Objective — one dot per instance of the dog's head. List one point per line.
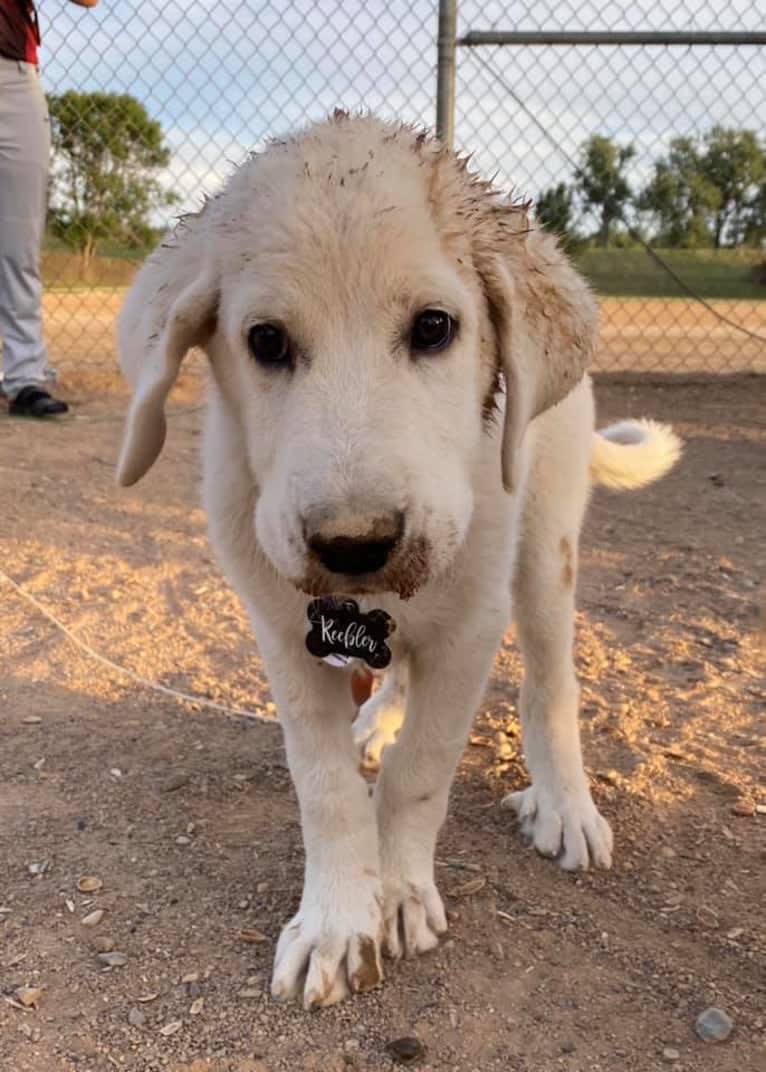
(362, 298)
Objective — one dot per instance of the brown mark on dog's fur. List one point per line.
(369, 974)
(567, 572)
(413, 572)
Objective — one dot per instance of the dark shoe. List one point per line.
(35, 402)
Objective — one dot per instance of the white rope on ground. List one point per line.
(154, 686)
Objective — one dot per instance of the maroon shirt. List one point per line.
(19, 30)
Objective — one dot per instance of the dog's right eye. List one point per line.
(269, 344)
(432, 330)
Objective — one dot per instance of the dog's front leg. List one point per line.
(447, 679)
(332, 945)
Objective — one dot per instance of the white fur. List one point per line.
(343, 234)
(631, 454)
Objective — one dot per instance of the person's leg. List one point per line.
(24, 156)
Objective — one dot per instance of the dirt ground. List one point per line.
(637, 334)
(188, 818)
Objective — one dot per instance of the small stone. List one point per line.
(89, 884)
(249, 993)
(175, 781)
(745, 808)
(182, 839)
(714, 1025)
(190, 977)
(707, 917)
(407, 1051)
(112, 960)
(31, 720)
(466, 889)
(29, 996)
(669, 1054)
(760, 809)
(171, 1028)
(196, 1006)
(504, 748)
(93, 918)
(82, 1046)
(136, 1017)
(146, 998)
(735, 932)
(252, 935)
(104, 944)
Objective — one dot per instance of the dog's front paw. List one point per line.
(413, 912)
(564, 824)
(328, 950)
(414, 918)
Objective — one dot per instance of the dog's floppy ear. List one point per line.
(545, 322)
(171, 307)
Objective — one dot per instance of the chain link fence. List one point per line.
(213, 80)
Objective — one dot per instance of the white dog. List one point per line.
(398, 413)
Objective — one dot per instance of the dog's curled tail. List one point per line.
(631, 454)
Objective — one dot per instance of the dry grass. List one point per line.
(637, 335)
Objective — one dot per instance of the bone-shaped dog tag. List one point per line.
(339, 632)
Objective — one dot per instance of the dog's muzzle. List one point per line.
(354, 546)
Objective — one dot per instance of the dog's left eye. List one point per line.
(269, 344)
(432, 330)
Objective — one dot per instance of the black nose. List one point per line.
(354, 555)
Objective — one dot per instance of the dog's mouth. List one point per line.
(403, 575)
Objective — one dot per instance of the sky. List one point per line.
(222, 75)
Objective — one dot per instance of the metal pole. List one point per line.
(445, 71)
(475, 38)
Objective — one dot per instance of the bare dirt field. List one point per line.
(188, 819)
(637, 334)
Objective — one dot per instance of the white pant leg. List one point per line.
(24, 160)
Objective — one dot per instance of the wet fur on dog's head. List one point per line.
(341, 236)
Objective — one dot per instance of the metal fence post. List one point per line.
(445, 71)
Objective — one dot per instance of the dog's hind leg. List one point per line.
(557, 812)
(380, 718)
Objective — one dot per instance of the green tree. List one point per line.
(734, 163)
(601, 180)
(681, 198)
(107, 153)
(553, 209)
(755, 222)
